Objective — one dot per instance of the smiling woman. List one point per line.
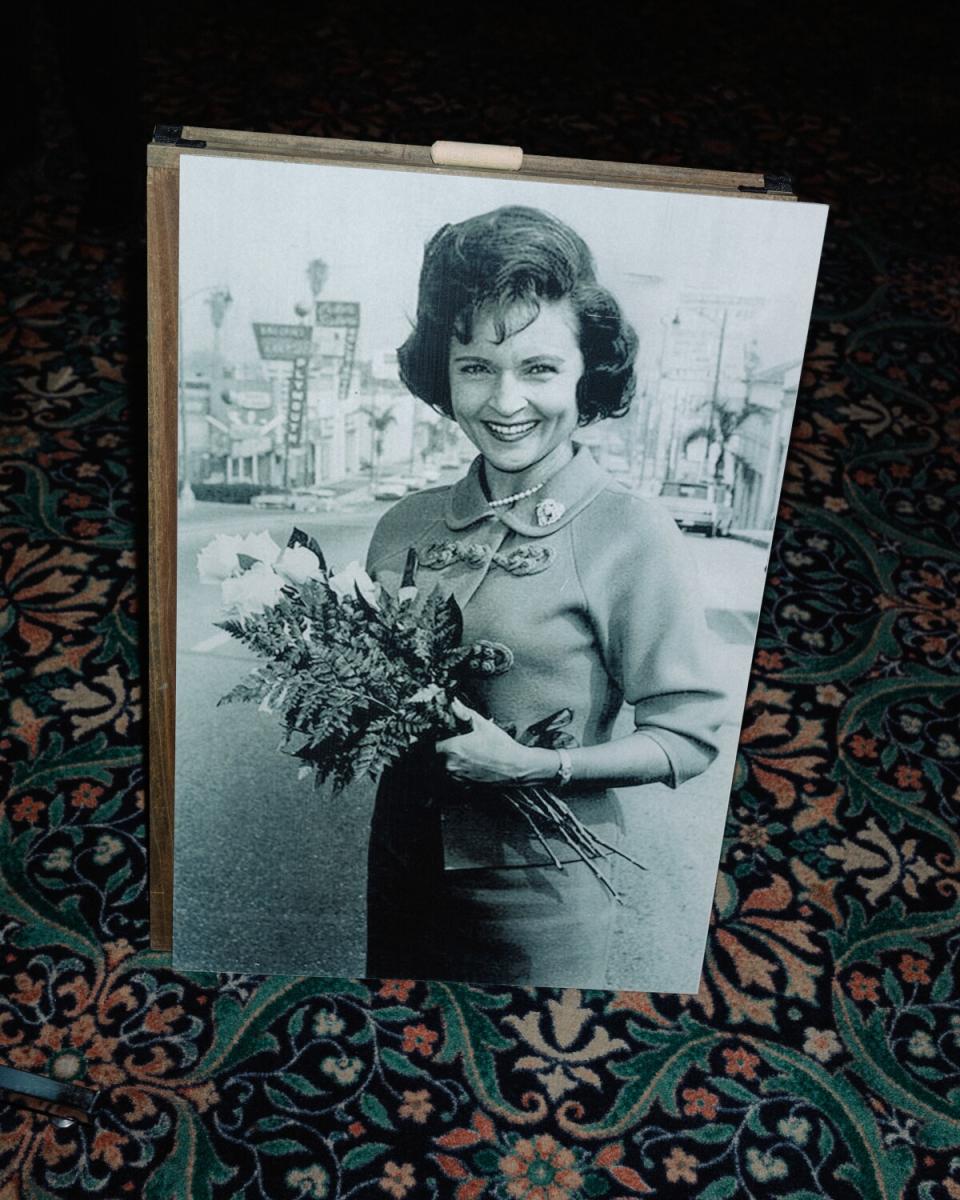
(583, 587)
(514, 393)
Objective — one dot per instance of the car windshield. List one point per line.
(697, 490)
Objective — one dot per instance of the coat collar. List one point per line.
(574, 486)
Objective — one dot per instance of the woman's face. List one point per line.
(516, 399)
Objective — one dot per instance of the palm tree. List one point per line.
(317, 272)
(441, 436)
(379, 421)
(725, 421)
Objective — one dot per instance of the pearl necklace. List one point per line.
(517, 496)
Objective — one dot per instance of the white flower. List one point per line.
(823, 1044)
(298, 564)
(250, 592)
(352, 579)
(796, 1128)
(343, 1069)
(326, 1024)
(260, 546)
(921, 1045)
(310, 1181)
(765, 1166)
(218, 559)
(59, 859)
(107, 848)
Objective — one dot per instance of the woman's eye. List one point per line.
(474, 368)
(542, 369)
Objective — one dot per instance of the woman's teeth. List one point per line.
(512, 432)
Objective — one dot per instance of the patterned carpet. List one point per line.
(822, 1055)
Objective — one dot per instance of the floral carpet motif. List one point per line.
(821, 1056)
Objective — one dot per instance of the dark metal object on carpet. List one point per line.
(64, 1103)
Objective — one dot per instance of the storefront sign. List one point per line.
(282, 341)
(297, 401)
(342, 316)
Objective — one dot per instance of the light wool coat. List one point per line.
(599, 608)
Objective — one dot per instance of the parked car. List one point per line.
(415, 483)
(274, 500)
(390, 489)
(707, 507)
(314, 499)
(241, 491)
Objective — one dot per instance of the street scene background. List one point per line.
(296, 286)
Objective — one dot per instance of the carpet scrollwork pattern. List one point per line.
(821, 1056)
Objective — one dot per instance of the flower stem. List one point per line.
(539, 802)
(536, 829)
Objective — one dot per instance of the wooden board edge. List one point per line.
(395, 156)
(163, 199)
(169, 156)
(409, 154)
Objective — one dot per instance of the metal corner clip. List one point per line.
(64, 1103)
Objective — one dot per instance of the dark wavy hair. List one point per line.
(516, 255)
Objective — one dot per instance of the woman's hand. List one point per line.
(487, 754)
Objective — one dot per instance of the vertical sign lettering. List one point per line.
(297, 399)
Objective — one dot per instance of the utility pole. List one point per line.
(317, 273)
(716, 387)
(218, 301)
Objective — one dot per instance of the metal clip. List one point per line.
(780, 185)
(64, 1103)
(172, 135)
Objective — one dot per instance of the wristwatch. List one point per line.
(565, 769)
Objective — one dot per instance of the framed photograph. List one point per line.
(462, 488)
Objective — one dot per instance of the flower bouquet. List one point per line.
(358, 676)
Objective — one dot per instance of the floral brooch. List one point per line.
(548, 512)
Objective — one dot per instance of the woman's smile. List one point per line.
(513, 389)
(512, 431)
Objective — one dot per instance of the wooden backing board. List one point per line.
(397, 156)
(163, 201)
(163, 219)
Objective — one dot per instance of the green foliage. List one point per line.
(374, 1111)
(353, 1160)
(192, 1168)
(400, 1064)
(355, 686)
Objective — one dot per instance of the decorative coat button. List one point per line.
(525, 560)
(488, 658)
(440, 555)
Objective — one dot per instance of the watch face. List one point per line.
(565, 770)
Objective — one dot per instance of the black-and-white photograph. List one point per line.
(477, 481)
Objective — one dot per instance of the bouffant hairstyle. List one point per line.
(516, 256)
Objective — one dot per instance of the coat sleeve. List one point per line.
(644, 601)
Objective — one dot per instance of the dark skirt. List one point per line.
(525, 925)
